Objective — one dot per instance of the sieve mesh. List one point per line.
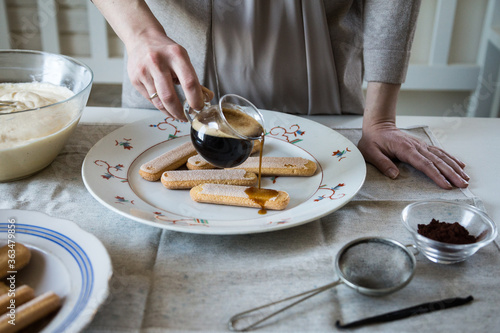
(376, 264)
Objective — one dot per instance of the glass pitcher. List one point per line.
(224, 134)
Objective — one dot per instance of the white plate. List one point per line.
(64, 259)
(110, 173)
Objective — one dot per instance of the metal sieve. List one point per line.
(372, 266)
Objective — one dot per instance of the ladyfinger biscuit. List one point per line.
(30, 312)
(170, 160)
(20, 253)
(22, 295)
(185, 179)
(240, 196)
(3, 288)
(197, 162)
(280, 166)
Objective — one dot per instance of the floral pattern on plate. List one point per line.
(116, 176)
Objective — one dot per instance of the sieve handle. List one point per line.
(306, 295)
(414, 249)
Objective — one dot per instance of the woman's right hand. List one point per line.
(155, 64)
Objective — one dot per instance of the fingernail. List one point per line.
(392, 173)
(466, 176)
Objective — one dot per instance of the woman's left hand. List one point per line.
(384, 142)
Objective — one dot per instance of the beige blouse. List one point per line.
(277, 54)
(298, 56)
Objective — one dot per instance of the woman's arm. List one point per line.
(382, 142)
(155, 62)
(389, 27)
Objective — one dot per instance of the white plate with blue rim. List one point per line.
(64, 259)
(110, 172)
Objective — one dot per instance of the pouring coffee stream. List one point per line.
(225, 134)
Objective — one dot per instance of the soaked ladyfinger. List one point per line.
(170, 160)
(280, 166)
(186, 179)
(243, 196)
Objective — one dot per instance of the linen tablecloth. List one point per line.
(167, 281)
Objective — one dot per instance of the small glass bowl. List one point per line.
(475, 221)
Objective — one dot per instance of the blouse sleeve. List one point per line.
(388, 31)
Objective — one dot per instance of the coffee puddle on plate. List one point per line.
(261, 196)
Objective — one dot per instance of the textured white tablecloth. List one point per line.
(166, 281)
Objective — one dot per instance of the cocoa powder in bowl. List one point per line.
(452, 233)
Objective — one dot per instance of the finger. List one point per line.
(146, 88)
(209, 94)
(141, 87)
(382, 163)
(144, 84)
(188, 80)
(155, 99)
(445, 169)
(459, 162)
(167, 96)
(453, 162)
(142, 81)
(422, 163)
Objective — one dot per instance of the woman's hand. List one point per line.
(155, 65)
(155, 62)
(382, 142)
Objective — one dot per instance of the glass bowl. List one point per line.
(31, 139)
(476, 222)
